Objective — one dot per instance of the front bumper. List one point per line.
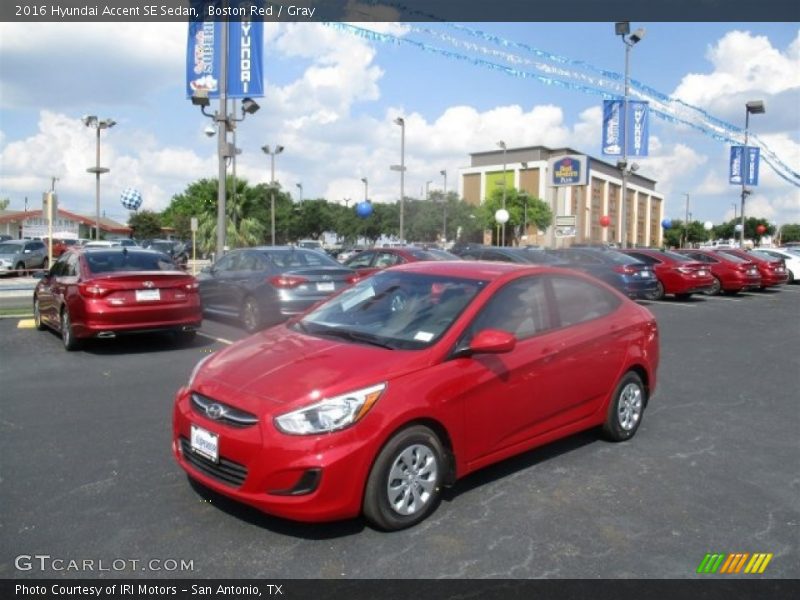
(303, 478)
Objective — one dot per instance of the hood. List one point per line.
(289, 369)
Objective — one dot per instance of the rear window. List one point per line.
(116, 261)
(675, 256)
(733, 257)
(296, 258)
(10, 248)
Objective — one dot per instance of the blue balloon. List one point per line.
(131, 198)
(364, 209)
(666, 223)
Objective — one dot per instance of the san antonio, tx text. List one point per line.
(130, 589)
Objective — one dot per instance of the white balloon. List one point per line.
(708, 226)
(501, 216)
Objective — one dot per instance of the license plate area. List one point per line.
(205, 443)
(148, 295)
(325, 286)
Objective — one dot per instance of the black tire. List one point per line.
(716, 288)
(658, 294)
(67, 334)
(45, 263)
(730, 292)
(185, 338)
(250, 315)
(37, 316)
(20, 269)
(626, 408)
(392, 502)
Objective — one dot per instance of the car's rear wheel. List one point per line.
(45, 263)
(250, 315)
(404, 485)
(626, 408)
(37, 315)
(67, 333)
(20, 269)
(716, 288)
(658, 293)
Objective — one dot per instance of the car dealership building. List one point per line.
(578, 207)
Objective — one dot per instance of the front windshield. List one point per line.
(396, 310)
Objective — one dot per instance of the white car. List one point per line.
(101, 244)
(790, 258)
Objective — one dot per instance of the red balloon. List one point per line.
(605, 221)
(760, 229)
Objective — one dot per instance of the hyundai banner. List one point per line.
(245, 55)
(743, 166)
(636, 130)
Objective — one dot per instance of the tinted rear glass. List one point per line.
(298, 258)
(676, 256)
(732, 257)
(116, 261)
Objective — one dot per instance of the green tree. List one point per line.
(145, 224)
(790, 232)
(538, 213)
(4, 202)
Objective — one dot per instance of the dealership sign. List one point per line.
(245, 56)
(743, 166)
(568, 170)
(636, 128)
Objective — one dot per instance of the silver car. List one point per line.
(22, 255)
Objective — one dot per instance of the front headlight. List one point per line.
(330, 414)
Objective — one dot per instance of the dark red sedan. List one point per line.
(676, 273)
(373, 260)
(772, 270)
(731, 273)
(104, 292)
(408, 380)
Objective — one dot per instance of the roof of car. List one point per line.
(472, 269)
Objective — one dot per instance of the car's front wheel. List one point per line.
(404, 486)
(250, 315)
(658, 293)
(716, 288)
(626, 408)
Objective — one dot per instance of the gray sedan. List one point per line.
(22, 255)
(266, 285)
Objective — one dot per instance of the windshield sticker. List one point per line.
(423, 336)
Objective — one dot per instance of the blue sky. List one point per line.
(331, 97)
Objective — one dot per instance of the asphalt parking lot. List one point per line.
(87, 473)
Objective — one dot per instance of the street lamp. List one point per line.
(623, 29)
(686, 224)
(225, 123)
(735, 210)
(402, 168)
(366, 188)
(502, 144)
(524, 196)
(755, 107)
(97, 124)
(266, 150)
(300, 187)
(428, 190)
(443, 173)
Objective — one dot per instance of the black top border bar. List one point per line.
(403, 10)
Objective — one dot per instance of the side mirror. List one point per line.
(489, 341)
(26, 251)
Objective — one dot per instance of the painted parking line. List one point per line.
(216, 339)
(26, 324)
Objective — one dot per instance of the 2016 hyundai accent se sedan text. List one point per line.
(408, 380)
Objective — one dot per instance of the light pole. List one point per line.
(735, 210)
(524, 196)
(98, 124)
(623, 29)
(757, 108)
(402, 168)
(365, 181)
(300, 187)
(502, 145)
(443, 173)
(266, 150)
(686, 224)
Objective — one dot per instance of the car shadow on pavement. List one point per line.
(308, 531)
(142, 343)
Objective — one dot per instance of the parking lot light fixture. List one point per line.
(365, 181)
(402, 123)
(755, 107)
(92, 121)
(502, 144)
(272, 154)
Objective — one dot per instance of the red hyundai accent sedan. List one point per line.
(677, 274)
(731, 273)
(104, 292)
(376, 399)
(772, 270)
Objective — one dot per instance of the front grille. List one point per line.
(225, 471)
(223, 413)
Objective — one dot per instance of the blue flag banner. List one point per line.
(636, 130)
(245, 55)
(743, 166)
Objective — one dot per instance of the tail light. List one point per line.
(625, 269)
(287, 281)
(685, 270)
(191, 286)
(89, 289)
(353, 278)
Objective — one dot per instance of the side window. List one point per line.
(519, 308)
(71, 268)
(226, 263)
(362, 260)
(248, 262)
(579, 301)
(314, 258)
(59, 267)
(495, 256)
(386, 259)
